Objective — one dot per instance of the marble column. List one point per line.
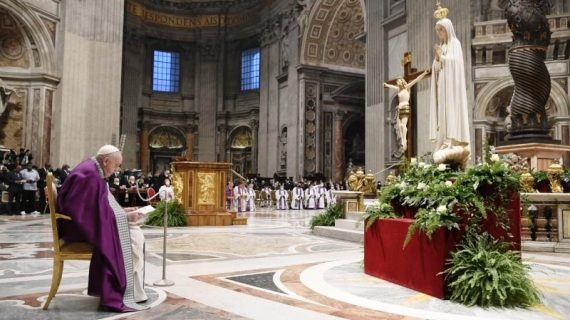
(144, 150)
(190, 142)
(132, 95)
(338, 147)
(294, 134)
(254, 125)
(223, 141)
(88, 100)
(206, 80)
(375, 73)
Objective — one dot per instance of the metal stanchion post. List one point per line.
(162, 282)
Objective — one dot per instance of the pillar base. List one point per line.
(541, 155)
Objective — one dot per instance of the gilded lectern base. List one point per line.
(212, 219)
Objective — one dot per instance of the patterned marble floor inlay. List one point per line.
(259, 280)
(271, 268)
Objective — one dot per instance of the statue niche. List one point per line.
(283, 150)
(240, 149)
(165, 143)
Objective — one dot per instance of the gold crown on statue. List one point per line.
(440, 12)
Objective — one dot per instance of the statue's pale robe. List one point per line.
(449, 117)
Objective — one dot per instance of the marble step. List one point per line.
(538, 246)
(563, 247)
(340, 234)
(349, 224)
(354, 215)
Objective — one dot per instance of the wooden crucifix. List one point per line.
(406, 107)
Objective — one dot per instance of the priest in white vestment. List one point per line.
(250, 198)
(297, 201)
(236, 193)
(310, 197)
(321, 196)
(282, 197)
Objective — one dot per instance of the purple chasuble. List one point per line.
(84, 197)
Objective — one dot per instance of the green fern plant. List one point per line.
(328, 217)
(176, 215)
(378, 211)
(483, 272)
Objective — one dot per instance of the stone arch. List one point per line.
(244, 134)
(329, 39)
(240, 150)
(558, 97)
(30, 125)
(35, 29)
(166, 137)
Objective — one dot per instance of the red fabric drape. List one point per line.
(418, 266)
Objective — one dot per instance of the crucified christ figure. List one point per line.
(403, 108)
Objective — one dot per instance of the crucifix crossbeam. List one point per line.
(411, 76)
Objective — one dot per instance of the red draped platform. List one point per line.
(419, 264)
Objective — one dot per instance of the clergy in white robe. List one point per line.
(282, 196)
(166, 193)
(297, 198)
(310, 198)
(236, 198)
(250, 198)
(321, 196)
(242, 197)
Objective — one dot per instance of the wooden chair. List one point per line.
(150, 192)
(61, 251)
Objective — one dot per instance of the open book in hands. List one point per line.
(143, 212)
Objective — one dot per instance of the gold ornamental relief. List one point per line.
(206, 188)
(177, 185)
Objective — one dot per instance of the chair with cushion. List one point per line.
(61, 251)
(150, 192)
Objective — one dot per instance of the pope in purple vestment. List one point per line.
(85, 197)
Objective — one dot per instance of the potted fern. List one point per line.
(176, 214)
(328, 217)
(484, 272)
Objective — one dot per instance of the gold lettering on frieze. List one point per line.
(189, 22)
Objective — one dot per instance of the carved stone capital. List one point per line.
(209, 49)
(271, 31)
(222, 128)
(254, 124)
(132, 40)
(191, 128)
(339, 115)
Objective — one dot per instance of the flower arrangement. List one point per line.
(481, 271)
(444, 197)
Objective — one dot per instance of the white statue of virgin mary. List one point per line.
(449, 117)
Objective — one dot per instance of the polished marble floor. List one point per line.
(272, 268)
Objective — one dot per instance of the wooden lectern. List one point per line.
(200, 187)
